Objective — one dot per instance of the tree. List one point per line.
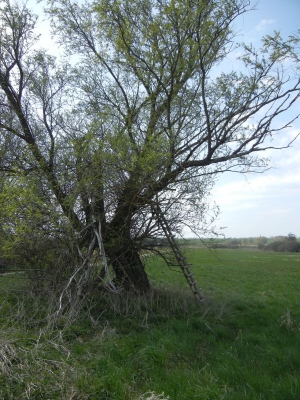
(261, 242)
(289, 246)
(292, 237)
(142, 117)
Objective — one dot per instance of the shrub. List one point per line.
(46, 261)
(283, 245)
(273, 246)
(262, 241)
(290, 246)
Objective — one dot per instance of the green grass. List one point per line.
(243, 342)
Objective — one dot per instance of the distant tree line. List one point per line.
(287, 243)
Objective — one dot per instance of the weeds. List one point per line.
(288, 321)
(241, 342)
(35, 369)
(159, 303)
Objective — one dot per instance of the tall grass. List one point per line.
(242, 342)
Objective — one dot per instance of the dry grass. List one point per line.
(35, 368)
(164, 345)
(153, 396)
(288, 321)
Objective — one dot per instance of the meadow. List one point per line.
(241, 342)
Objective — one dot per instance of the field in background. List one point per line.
(243, 342)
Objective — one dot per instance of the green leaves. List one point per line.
(146, 113)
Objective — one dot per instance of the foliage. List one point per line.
(273, 246)
(35, 237)
(277, 243)
(289, 245)
(262, 241)
(291, 237)
(143, 117)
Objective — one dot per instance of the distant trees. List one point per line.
(261, 242)
(288, 244)
(291, 237)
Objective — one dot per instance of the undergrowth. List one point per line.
(241, 342)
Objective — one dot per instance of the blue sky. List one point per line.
(265, 204)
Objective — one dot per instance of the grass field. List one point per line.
(242, 342)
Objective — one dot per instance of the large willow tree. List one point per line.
(143, 116)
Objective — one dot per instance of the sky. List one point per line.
(265, 204)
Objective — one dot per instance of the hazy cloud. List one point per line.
(264, 23)
(250, 193)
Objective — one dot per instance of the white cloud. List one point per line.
(251, 193)
(266, 204)
(264, 23)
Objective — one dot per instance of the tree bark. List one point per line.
(129, 270)
(123, 254)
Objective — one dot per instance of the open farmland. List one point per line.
(243, 342)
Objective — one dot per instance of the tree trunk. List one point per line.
(129, 269)
(122, 251)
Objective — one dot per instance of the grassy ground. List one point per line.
(243, 342)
